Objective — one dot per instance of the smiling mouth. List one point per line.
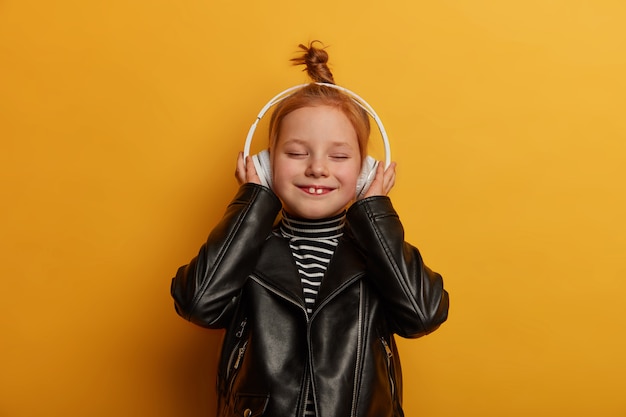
(316, 190)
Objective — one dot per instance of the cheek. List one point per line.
(283, 171)
(282, 168)
(350, 174)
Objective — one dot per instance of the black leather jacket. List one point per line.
(245, 280)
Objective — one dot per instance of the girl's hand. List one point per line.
(246, 172)
(383, 181)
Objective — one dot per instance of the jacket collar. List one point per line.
(277, 270)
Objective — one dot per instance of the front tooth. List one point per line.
(312, 190)
(319, 191)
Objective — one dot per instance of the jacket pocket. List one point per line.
(236, 353)
(236, 357)
(250, 405)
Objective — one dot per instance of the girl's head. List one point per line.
(315, 61)
(318, 140)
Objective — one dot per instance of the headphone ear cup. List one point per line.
(263, 168)
(367, 175)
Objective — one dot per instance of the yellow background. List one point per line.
(120, 122)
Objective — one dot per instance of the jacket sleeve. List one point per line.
(414, 297)
(205, 291)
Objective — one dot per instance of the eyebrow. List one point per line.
(298, 141)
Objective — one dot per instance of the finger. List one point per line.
(240, 170)
(389, 178)
(251, 174)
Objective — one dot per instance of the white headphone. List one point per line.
(368, 171)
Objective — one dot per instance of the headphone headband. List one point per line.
(355, 97)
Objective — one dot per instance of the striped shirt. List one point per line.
(312, 243)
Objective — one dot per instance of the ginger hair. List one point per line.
(315, 60)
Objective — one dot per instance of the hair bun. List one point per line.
(315, 59)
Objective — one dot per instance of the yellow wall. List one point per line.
(120, 122)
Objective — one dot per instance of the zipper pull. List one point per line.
(387, 348)
(242, 350)
(242, 326)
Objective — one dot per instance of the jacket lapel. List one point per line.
(277, 268)
(345, 266)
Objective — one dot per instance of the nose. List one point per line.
(317, 167)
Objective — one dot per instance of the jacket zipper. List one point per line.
(307, 386)
(242, 326)
(241, 351)
(233, 362)
(359, 338)
(389, 355)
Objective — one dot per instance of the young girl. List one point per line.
(311, 302)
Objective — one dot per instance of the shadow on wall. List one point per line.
(191, 369)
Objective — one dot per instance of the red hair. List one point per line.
(314, 94)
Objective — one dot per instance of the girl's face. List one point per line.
(316, 162)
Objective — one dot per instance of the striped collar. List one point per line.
(328, 228)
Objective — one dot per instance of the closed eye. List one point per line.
(296, 154)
